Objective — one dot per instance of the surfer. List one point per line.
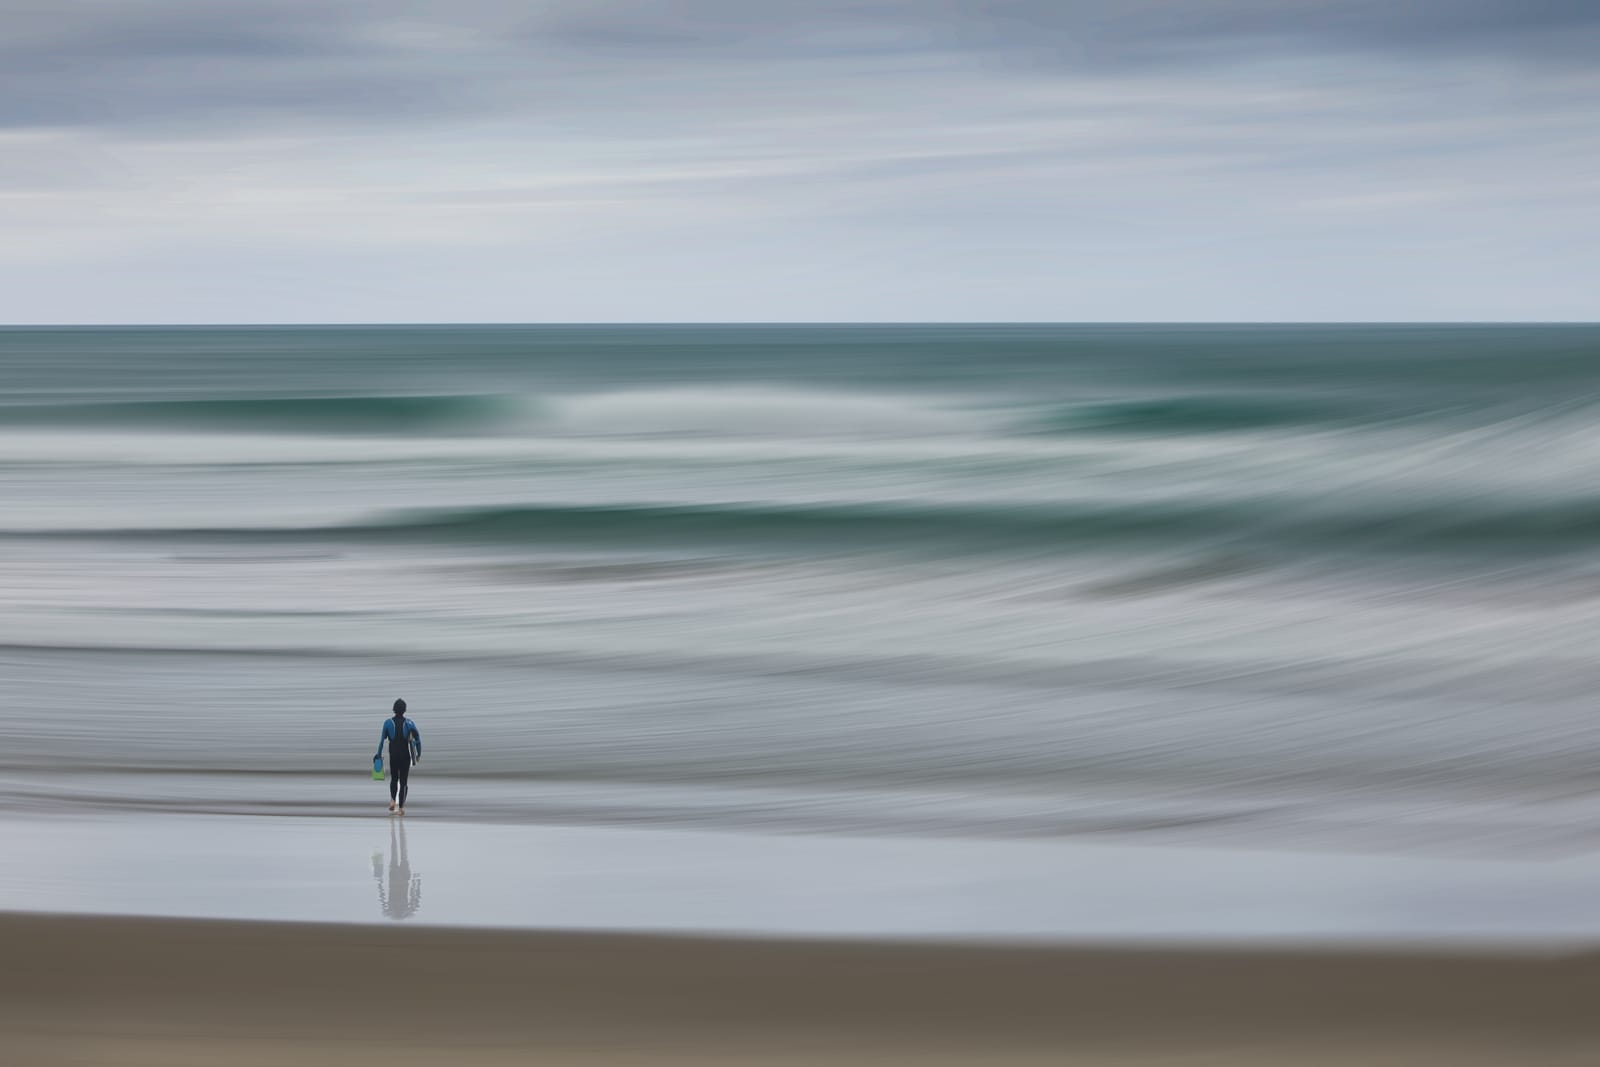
(405, 748)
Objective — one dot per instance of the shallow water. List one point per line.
(435, 872)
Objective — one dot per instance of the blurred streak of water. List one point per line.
(1333, 583)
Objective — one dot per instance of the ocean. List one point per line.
(1280, 586)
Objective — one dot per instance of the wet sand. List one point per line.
(424, 869)
(99, 990)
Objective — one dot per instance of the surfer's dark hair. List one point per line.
(399, 707)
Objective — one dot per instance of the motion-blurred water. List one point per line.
(1294, 581)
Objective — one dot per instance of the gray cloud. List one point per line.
(173, 61)
(1148, 31)
(886, 158)
(98, 62)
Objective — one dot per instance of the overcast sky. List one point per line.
(667, 160)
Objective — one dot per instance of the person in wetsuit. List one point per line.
(405, 748)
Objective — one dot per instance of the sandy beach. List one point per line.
(139, 991)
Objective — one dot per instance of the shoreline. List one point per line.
(95, 990)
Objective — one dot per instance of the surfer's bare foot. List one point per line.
(402, 811)
(391, 805)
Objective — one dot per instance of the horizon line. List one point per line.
(444, 323)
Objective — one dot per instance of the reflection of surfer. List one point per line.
(401, 895)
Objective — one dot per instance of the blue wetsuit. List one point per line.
(405, 747)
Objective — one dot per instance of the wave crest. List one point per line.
(1381, 527)
(739, 411)
(286, 414)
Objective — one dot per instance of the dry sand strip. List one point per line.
(177, 993)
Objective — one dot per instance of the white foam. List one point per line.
(739, 411)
